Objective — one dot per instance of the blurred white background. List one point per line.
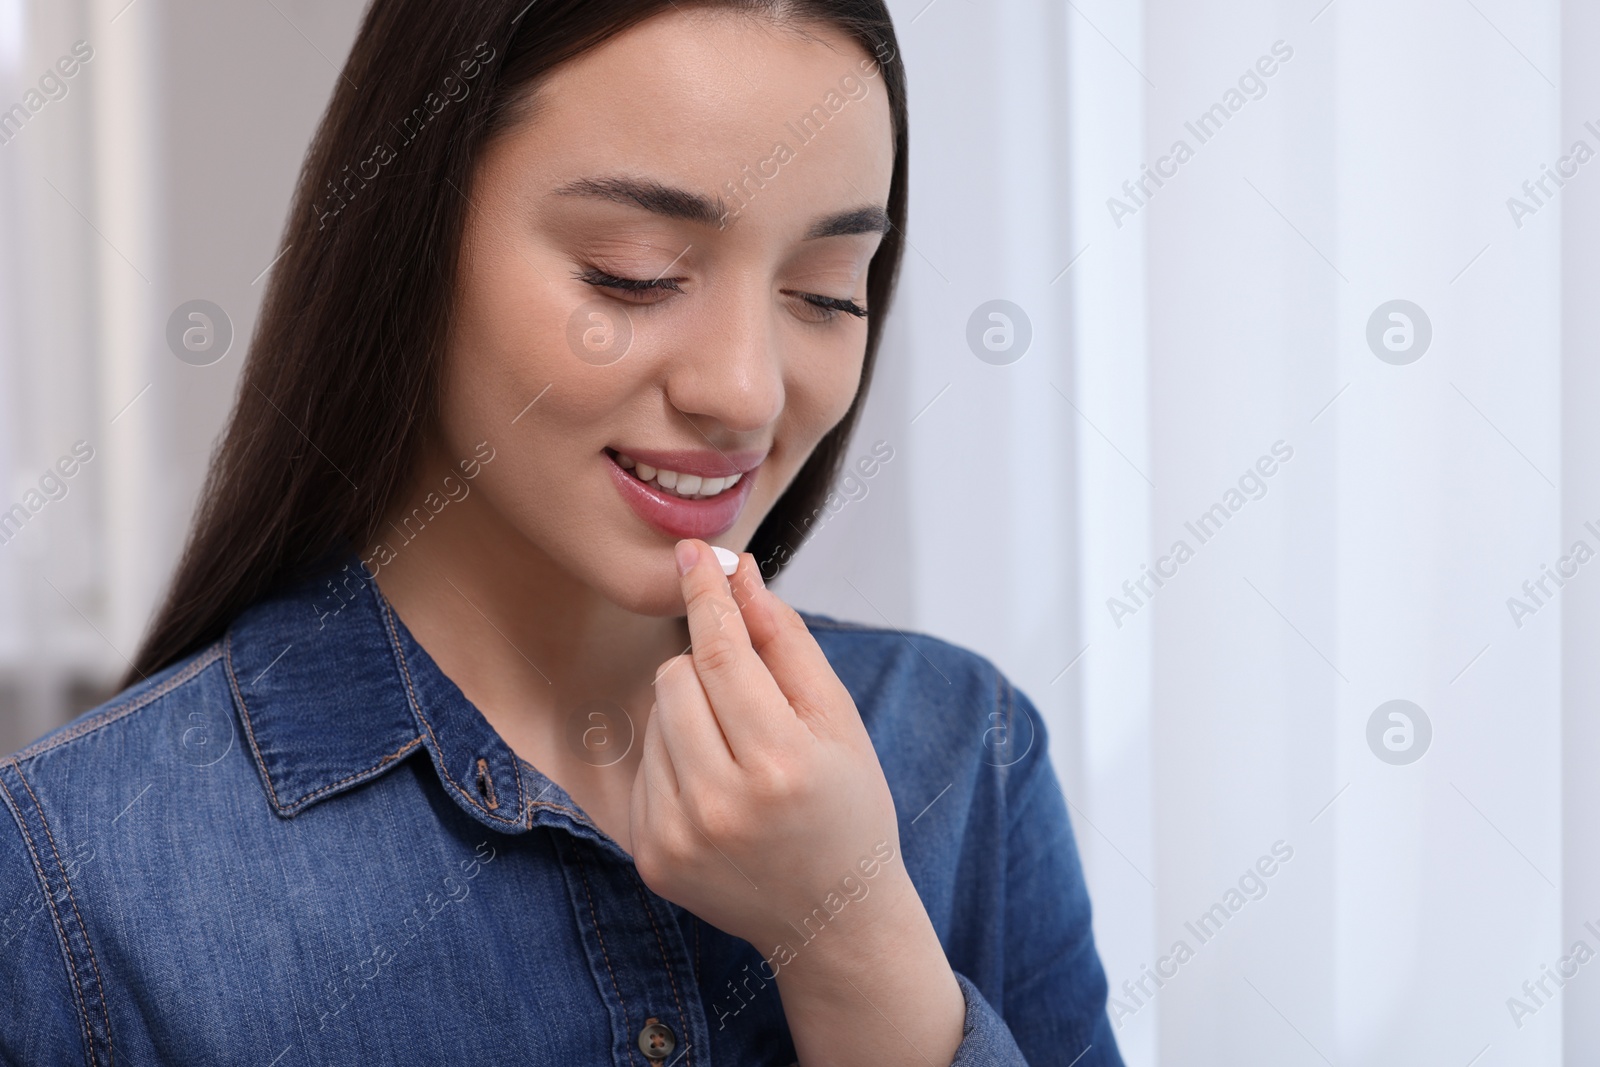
(1176, 337)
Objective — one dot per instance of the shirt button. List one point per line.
(657, 1040)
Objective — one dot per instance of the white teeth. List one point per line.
(684, 485)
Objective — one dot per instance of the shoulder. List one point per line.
(932, 707)
(60, 802)
(904, 663)
(966, 757)
(89, 770)
(155, 709)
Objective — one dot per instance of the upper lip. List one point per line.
(713, 464)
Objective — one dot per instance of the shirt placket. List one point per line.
(638, 958)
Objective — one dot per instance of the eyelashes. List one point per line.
(826, 308)
(595, 276)
(833, 303)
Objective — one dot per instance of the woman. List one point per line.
(452, 740)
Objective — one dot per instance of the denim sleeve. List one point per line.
(40, 1022)
(985, 1039)
(1054, 999)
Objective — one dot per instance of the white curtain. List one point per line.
(1340, 156)
(52, 569)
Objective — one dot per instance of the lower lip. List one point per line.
(676, 516)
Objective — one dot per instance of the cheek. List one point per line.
(517, 368)
(823, 390)
(819, 389)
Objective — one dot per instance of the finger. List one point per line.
(748, 703)
(656, 765)
(645, 782)
(655, 790)
(689, 729)
(785, 644)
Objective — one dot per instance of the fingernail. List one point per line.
(687, 554)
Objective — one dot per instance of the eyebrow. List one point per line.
(857, 220)
(674, 203)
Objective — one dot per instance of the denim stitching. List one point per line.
(384, 762)
(61, 931)
(561, 807)
(577, 851)
(244, 712)
(105, 1012)
(522, 804)
(416, 705)
(112, 714)
(295, 805)
(667, 966)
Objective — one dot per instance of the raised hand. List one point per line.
(760, 806)
(759, 791)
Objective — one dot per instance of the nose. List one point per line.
(730, 371)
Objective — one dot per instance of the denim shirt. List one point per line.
(303, 845)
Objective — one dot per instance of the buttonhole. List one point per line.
(486, 784)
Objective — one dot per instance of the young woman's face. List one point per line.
(657, 272)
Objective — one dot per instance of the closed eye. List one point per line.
(825, 308)
(597, 277)
(833, 305)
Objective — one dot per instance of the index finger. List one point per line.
(747, 702)
(786, 646)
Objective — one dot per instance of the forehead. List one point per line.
(725, 104)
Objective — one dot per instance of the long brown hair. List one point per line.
(342, 376)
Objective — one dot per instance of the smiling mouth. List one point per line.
(675, 483)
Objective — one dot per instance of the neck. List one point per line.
(528, 644)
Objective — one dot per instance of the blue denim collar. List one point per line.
(333, 691)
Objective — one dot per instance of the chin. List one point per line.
(648, 586)
(662, 602)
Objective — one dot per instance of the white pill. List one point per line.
(729, 560)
